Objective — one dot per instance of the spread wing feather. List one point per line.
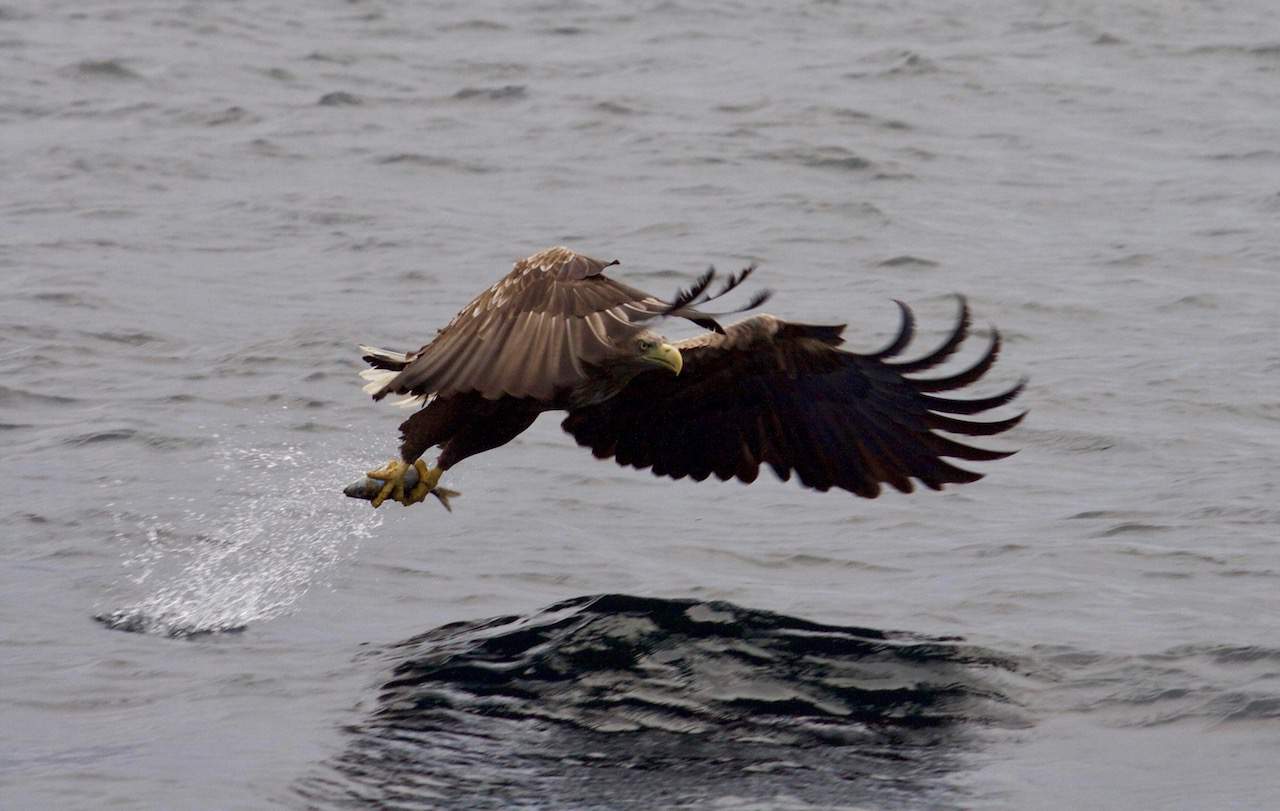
(772, 392)
(530, 334)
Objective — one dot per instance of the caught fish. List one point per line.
(370, 488)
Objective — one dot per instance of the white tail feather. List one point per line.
(378, 379)
(385, 354)
(411, 402)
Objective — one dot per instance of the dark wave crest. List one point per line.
(622, 702)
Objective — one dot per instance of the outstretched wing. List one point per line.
(528, 335)
(772, 392)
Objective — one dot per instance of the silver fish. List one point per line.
(368, 488)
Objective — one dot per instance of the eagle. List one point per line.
(557, 334)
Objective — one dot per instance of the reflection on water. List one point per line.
(617, 701)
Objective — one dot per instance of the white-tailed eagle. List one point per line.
(557, 334)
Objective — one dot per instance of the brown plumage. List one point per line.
(556, 334)
(530, 335)
(783, 394)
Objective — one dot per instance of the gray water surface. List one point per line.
(206, 207)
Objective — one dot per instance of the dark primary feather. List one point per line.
(782, 394)
(693, 294)
(686, 299)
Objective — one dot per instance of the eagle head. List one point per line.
(652, 350)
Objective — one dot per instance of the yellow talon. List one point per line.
(427, 480)
(392, 476)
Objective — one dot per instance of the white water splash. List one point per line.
(283, 529)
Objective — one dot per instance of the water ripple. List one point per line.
(624, 702)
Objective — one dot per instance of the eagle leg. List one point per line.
(392, 476)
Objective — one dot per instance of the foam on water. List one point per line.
(276, 533)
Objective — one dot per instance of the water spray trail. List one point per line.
(281, 529)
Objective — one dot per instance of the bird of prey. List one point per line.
(557, 334)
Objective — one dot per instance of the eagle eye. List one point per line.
(645, 346)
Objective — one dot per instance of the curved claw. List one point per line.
(427, 479)
(392, 477)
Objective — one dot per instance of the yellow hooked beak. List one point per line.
(666, 356)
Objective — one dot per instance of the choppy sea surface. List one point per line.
(206, 206)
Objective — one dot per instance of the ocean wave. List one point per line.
(1211, 684)
(617, 701)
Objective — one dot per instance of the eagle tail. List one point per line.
(378, 379)
(386, 365)
(383, 358)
